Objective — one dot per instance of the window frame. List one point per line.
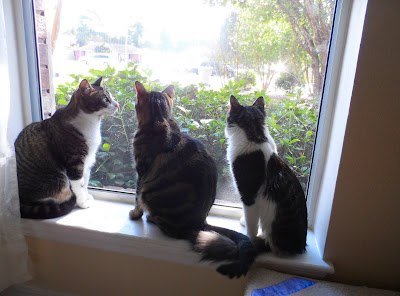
(32, 56)
(328, 99)
(338, 83)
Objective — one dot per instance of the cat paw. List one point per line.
(242, 221)
(232, 270)
(261, 245)
(85, 202)
(150, 219)
(136, 213)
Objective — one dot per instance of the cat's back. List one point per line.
(169, 150)
(47, 134)
(178, 182)
(33, 140)
(196, 156)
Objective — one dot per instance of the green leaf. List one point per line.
(106, 146)
(294, 141)
(62, 102)
(130, 105)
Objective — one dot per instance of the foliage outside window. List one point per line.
(277, 49)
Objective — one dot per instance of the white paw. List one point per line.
(242, 221)
(86, 201)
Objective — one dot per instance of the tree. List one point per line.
(82, 35)
(310, 23)
(135, 34)
(261, 41)
(226, 51)
(252, 40)
(85, 31)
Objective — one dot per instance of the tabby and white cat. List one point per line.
(176, 185)
(270, 192)
(54, 156)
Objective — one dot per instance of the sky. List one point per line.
(181, 19)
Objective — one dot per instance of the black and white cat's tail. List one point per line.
(47, 209)
(220, 244)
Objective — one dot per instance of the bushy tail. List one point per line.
(220, 244)
(47, 210)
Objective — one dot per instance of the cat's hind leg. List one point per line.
(150, 219)
(251, 216)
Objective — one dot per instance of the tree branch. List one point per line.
(295, 27)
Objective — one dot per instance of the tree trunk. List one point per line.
(313, 38)
(317, 83)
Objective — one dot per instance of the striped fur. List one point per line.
(270, 191)
(177, 181)
(54, 156)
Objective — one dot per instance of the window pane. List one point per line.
(209, 50)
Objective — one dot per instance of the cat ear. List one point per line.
(234, 102)
(140, 88)
(84, 85)
(99, 82)
(170, 91)
(259, 103)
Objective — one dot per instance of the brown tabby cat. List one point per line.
(176, 185)
(54, 156)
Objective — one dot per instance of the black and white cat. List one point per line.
(271, 194)
(54, 156)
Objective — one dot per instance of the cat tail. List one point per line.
(47, 209)
(220, 244)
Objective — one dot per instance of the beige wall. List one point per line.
(364, 233)
(84, 271)
(363, 240)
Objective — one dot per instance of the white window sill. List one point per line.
(107, 226)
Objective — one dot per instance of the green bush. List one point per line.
(287, 82)
(292, 123)
(200, 112)
(249, 79)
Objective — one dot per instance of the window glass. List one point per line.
(208, 50)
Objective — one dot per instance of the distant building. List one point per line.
(117, 51)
